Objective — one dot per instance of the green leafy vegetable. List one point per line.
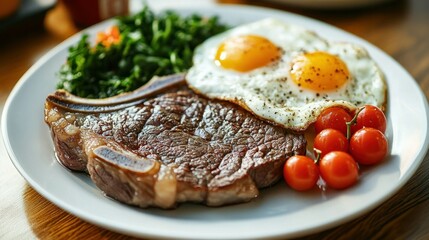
(150, 45)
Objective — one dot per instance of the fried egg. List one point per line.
(284, 73)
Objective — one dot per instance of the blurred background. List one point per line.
(65, 17)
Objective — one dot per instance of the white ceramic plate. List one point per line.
(277, 212)
(330, 4)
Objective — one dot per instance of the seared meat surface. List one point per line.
(170, 147)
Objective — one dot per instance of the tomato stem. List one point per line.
(318, 154)
(352, 122)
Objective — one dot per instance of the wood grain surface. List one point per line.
(400, 28)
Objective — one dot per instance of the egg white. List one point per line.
(269, 91)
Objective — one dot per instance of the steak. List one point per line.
(163, 144)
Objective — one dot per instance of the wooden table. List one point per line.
(401, 29)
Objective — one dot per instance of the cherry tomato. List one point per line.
(300, 173)
(339, 170)
(370, 116)
(329, 140)
(334, 117)
(368, 146)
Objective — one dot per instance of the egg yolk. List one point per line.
(245, 53)
(319, 71)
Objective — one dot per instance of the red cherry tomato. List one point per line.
(329, 140)
(370, 116)
(368, 146)
(334, 117)
(300, 173)
(339, 170)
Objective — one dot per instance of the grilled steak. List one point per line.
(163, 144)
